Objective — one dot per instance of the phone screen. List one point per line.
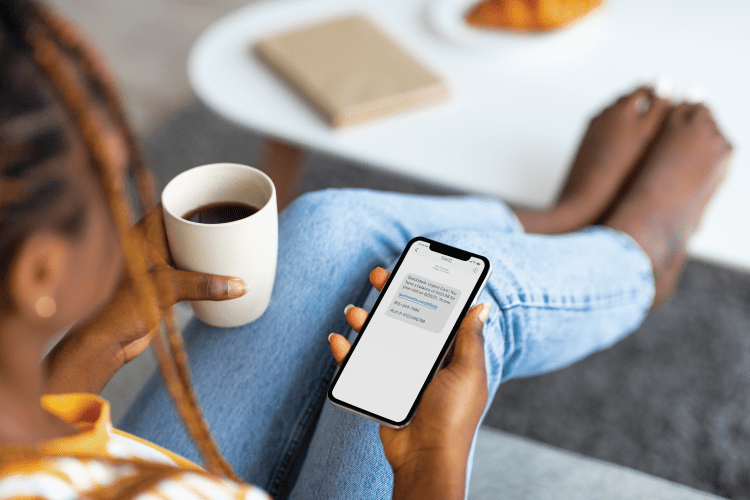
(408, 331)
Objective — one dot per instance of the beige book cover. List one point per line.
(350, 70)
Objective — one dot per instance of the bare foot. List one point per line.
(662, 207)
(613, 145)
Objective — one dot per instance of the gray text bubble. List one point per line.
(424, 303)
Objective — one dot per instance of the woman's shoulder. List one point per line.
(67, 477)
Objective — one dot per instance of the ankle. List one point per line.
(649, 234)
(557, 220)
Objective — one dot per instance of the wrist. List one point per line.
(439, 476)
(83, 361)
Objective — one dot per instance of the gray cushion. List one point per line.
(509, 467)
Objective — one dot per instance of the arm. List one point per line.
(90, 354)
(81, 362)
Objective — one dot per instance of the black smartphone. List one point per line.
(409, 331)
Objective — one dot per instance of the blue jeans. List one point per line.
(555, 299)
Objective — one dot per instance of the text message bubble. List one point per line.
(424, 303)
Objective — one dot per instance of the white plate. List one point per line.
(446, 19)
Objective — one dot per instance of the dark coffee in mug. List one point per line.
(220, 213)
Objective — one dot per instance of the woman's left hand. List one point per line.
(120, 331)
(430, 454)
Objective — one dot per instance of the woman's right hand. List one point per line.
(432, 451)
(126, 322)
(120, 331)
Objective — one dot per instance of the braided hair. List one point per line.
(34, 195)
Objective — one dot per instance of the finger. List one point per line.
(468, 351)
(355, 316)
(378, 277)
(199, 286)
(339, 347)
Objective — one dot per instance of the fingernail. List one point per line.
(664, 87)
(484, 312)
(329, 337)
(696, 94)
(346, 309)
(236, 288)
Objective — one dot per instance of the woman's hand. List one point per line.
(438, 439)
(120, 332)
(133, 334)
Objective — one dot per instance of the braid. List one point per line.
(72, 41)
(34, 195)
(45, 36)
(178, 379)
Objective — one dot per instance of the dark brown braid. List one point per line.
(177, 379)
(72, 41)
(50, 38)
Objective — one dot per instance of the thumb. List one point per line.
(468, 351)
(200, 286)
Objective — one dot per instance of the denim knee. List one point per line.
(338, 203)
(343, 213)
(342, 223)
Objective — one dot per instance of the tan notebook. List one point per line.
(351, 71)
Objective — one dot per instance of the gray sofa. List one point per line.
(509, 467)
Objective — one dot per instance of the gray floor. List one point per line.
(672, 400)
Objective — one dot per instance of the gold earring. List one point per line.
(45, 306)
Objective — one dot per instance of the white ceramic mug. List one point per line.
(245, 248)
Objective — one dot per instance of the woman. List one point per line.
(644, 172)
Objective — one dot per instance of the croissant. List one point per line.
(529, 15)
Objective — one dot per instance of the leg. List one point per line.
(283, 164)
(614, 144)
(663, 205)
(558, 298)
(555, 300)
(262, 385)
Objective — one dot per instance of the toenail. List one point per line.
(642, 104)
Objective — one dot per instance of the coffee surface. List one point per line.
(220, 213)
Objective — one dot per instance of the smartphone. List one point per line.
(409, 331)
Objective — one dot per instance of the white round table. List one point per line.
(518, 104)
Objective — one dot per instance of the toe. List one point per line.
(631, 102)
(651, 111)
(634, 102)
(681, 113)
(699, 111)
(657, 109)
(640, 100)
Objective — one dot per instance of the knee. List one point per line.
(323, 201)
(345, 222)
(336, 210)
